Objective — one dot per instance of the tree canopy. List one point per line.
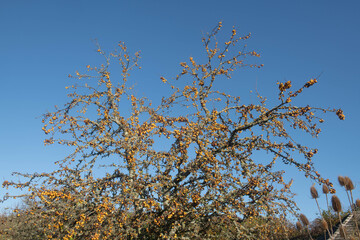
(184, 168)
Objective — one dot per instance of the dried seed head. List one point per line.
(298, 226)
(336, 204)
(349, 184)
(304, 220)
(325, 189)
(341, 180)
(314, 192)
(324, 224)
(357, 202)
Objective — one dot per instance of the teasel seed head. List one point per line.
(325, 189)
(298, 226)
(314, 192)
(336, 204)
(357, 202)
(341, 180)
(324, 224)
(304, 219)
(349, 185)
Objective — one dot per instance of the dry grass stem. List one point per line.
(342, 232)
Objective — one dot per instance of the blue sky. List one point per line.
(44, 41)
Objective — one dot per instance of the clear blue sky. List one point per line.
(43, 41)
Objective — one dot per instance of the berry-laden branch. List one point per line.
(187, 168)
